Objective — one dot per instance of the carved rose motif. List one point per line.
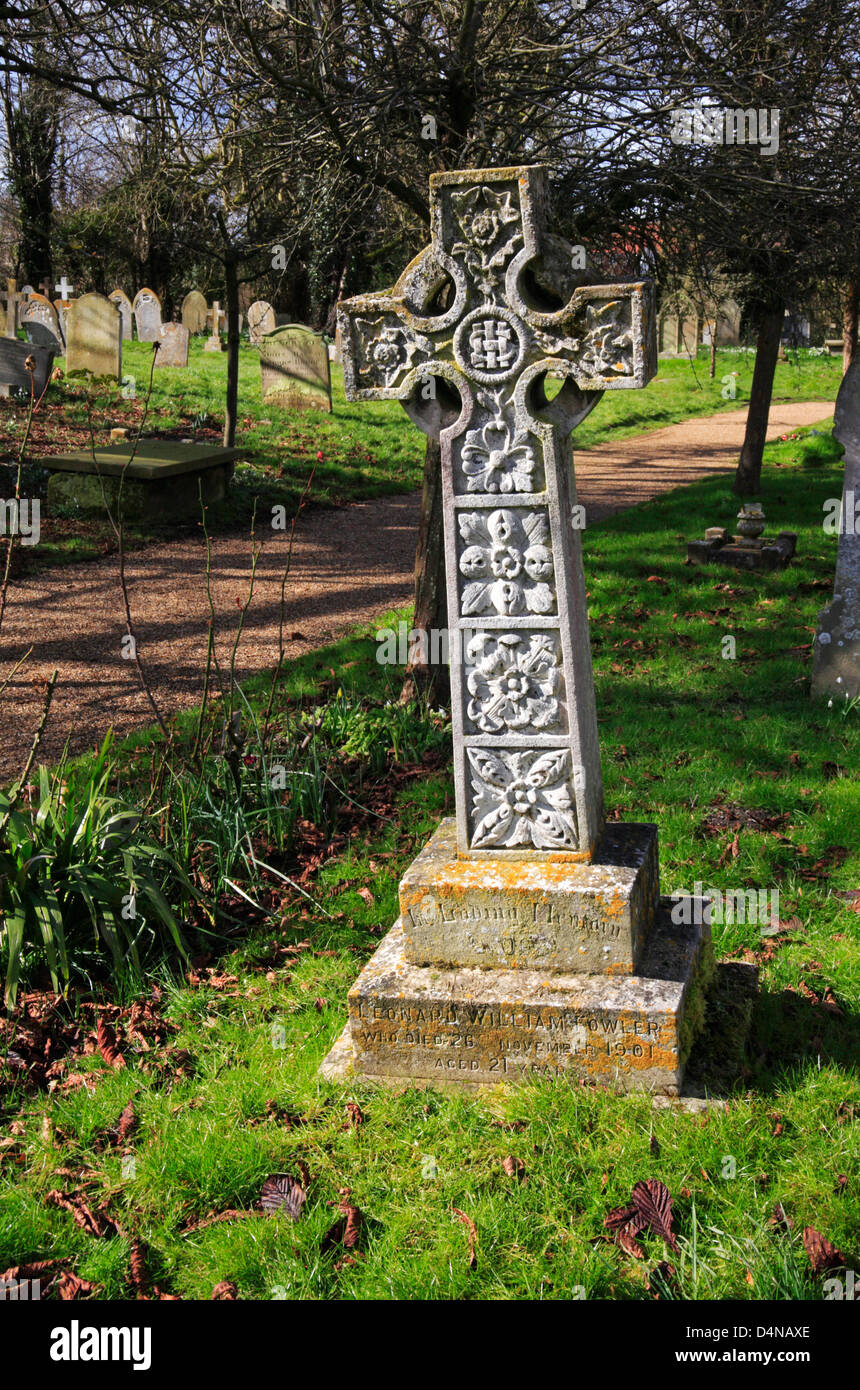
(497, 458)
(607, 348)
(507, 562)
(529, 796)
(514, 681)
(490, 224)
(387, 351)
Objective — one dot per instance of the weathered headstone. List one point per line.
(836, 653)
(123, 303)
(41, 323)
(261, 320)
(195, 312)
(13, 371)
(26, 291)
(172, 346)
(213, 342)
(62, 307)
(532, 939)
(94, 337)
(294, 369)
(147, 315)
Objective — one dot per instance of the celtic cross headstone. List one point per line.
(533, 940)
(527, 761)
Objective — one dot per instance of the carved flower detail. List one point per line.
(498, 459)
(522, 798)
(490, 223)
(387, 350)
(513, 683)
(607, 347)
(507, 563)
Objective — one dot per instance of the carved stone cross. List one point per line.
(13, 299)
(465, 340)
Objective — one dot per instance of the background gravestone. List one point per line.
(94, 337)
(123, 303)
(147, 315)
(836, 653)
(26, 291)
(41, 324)
(195, 312)
(294, 369)
(261, 320)
(62, 307)
(172, 346)
(13, 373)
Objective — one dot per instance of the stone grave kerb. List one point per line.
(522, 306)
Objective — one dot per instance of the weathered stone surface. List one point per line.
(836, 653)
(261, 320)
(161, 484)
(123, 303)
(62, 307)
(13, 373)
(195, 312)
(549, 914)
(94, 337)
(41, 324)
(765, 553)
(532, 942)
(172, 345)
(13, 302)
(147, 315)
(294, 369)
(479, 1027)
(526, 760)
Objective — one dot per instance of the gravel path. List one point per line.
(349, 566)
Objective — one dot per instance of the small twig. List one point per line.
(34, 748)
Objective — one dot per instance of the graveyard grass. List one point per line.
(362, 450)
(688, 739)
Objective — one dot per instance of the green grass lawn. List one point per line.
(751, 786)
(363, 449)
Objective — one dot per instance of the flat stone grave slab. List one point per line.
(161, 485)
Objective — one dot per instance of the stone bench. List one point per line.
(161, 485)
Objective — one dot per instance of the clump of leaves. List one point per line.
(81, 878)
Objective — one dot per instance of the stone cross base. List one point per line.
(559, 998)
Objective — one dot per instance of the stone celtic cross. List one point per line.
(465, 340)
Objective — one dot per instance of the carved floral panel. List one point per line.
(514, 683)
(522, 798)
(505, 563)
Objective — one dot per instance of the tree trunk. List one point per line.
(712, 371)
(232, 283)
(748, 475)
(431, 606)
(850, 306)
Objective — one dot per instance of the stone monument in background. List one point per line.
(94, 337)
(532, 938)
(147, 315)
(836, 652)
(294, 369)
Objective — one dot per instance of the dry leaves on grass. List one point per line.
(472, 1232)
(514, 1167)
(650, 1209)
(225, 1291)
(823, 1256)
(283, 1193)
(95, 1223)
(346, 1231)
